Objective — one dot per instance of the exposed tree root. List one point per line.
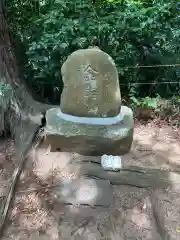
(28, 138)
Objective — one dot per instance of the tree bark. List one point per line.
(24, 111)
(23, 115)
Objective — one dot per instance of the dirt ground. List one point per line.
(136, 213)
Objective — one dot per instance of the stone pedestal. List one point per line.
(90, 120)
(89, 136)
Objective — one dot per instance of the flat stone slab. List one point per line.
(85, 192)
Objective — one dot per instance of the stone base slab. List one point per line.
(89, 139)
(85, 191)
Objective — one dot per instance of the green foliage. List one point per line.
(147, 103)
(133, 32)
(176, 99)
(4, 87)
(176, 106)
(5, 95)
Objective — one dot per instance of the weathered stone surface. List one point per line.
(89, 139)
(85, 191)
(91, 85)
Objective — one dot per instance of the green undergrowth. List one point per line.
(156, 107)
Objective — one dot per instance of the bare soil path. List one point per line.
(137, 213)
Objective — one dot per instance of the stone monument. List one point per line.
(90, 119)
(91, 85)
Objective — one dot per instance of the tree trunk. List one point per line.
(23, 114)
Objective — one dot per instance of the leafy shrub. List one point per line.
(147, 102)
(132, 32)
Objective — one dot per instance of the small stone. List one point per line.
(111, 163)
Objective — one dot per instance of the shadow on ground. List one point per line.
(136, 213)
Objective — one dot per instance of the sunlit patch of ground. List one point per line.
(137, 213)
